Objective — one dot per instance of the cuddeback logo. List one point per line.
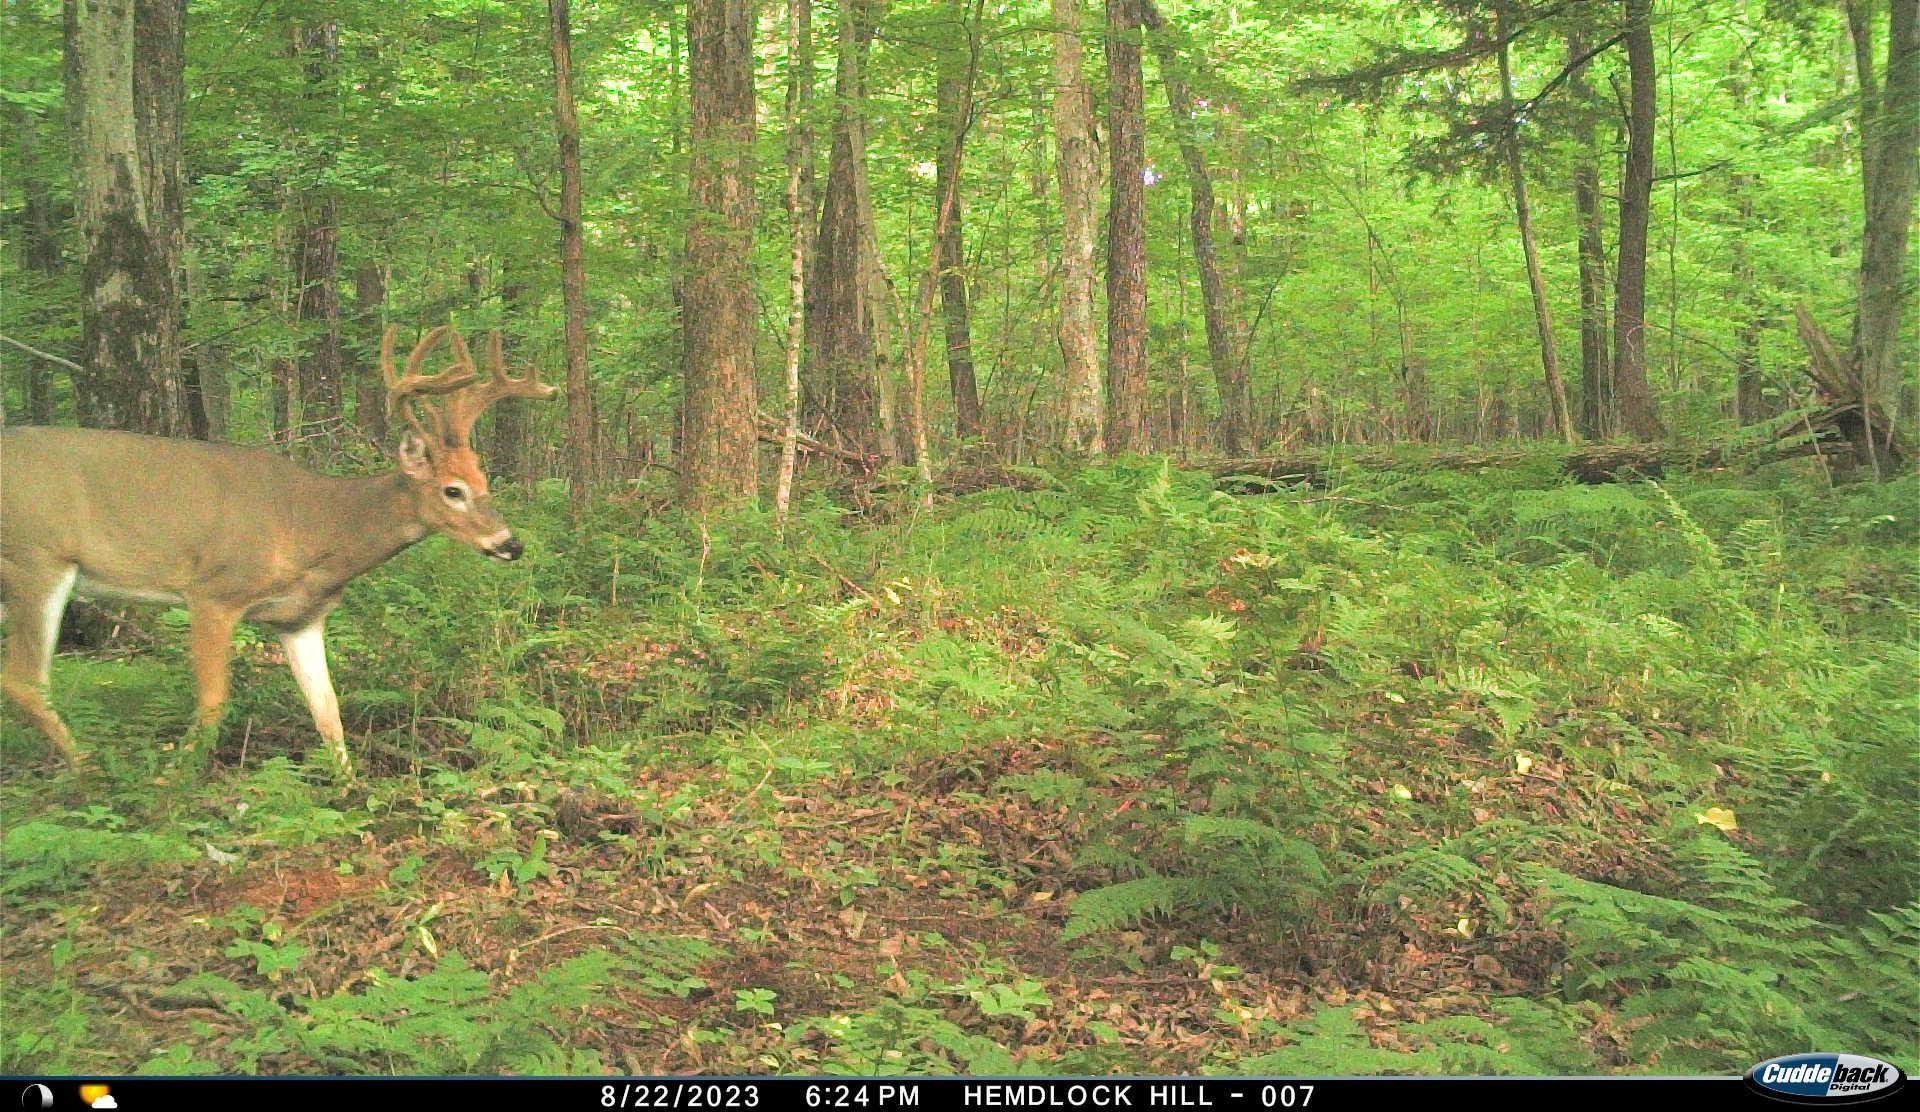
(1826, 1078)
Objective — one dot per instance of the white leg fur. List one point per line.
(52, 611)
(307, 656)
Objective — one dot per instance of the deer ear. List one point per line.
(416, 460)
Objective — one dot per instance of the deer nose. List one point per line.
(508, 549)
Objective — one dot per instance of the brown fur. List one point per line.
(233, 533)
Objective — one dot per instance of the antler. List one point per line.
(403, 390)
(465, 407)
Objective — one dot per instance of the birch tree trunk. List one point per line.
(799, 197)
(124, 89)
(1079, 174)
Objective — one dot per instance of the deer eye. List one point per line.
(454, 494)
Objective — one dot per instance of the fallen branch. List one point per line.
(48, 356)
(771, 430)
(1857, 417)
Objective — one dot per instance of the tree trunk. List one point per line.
(717, 454)
(282, 391)
(1126, 233)
(1637, 409)
(839, 322)
(1536, 282)
(946, 209)
(369, 393)
(1749, 403)
(1596, 370)
(40, 254)
(1079, 178)
(799, 122)
(1890, 159)
(573, 276)
(123, 62)
(1226, 335)
(510, 437)
(317, 262)
(953, 257)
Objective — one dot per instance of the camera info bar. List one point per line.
(845, 1094)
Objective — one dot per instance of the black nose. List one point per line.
(508, 549)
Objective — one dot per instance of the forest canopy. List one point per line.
(344, 166)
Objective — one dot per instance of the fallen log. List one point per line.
(1857, 418)
(1603, 463)
(1796, 435)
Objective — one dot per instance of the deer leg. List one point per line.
(34, 605)
(307, 656)
(211, 643)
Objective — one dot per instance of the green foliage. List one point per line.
(1612, 781)
(47, 857)
(447, 1020)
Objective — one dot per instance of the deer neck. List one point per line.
(379, 522)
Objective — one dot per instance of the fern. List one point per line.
(1124, 904)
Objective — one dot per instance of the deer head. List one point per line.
(436, 451)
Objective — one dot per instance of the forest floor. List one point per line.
(1121, 775)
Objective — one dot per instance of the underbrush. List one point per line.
(1420, 773)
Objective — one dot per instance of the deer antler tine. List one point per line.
(405, 392)
(461, 356)
(465, 407)
(425, 347)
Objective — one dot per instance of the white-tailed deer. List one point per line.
(236, 533)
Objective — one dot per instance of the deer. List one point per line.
(237, 533)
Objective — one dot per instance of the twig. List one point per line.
(850, 584)
(67, 363)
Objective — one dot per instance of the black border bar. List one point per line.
(876, 1094)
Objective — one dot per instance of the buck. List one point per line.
(236, 533)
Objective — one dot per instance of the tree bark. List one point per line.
(317, 256)
(573, 278)
(369, 393)
(1226, 334)
(1536, 282)
(1890, 160)
(946, 208)
(124, 88)
(510, 435)
(956, 115)
(839, 322)
(1637, 410)
(39, 254)
(799, 121)
(1596, 370)
(1079, 175)
(1749, 404)
(717, 454)
(1126, 233)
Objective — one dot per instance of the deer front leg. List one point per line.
(307, 656)
(211, 643)
(35, 599)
